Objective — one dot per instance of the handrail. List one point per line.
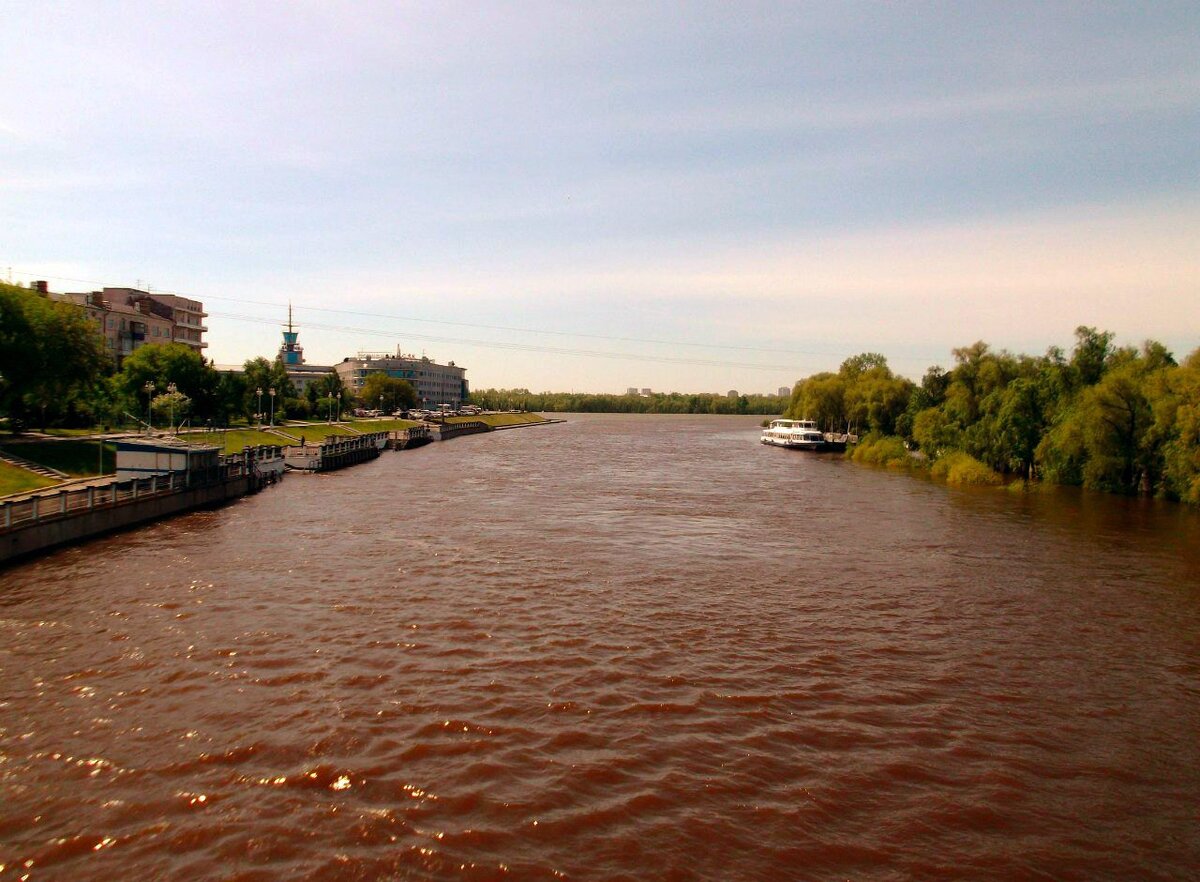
(58, 503)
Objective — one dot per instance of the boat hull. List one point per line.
(810, 446)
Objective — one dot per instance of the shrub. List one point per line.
(961, 468)
(885, 450)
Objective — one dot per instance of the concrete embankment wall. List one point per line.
(453, 430)
(50, 532)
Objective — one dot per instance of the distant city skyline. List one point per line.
(690, 198)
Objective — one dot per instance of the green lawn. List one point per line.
(15, 480)
(234, 440)
(383, 425)
(79, 459)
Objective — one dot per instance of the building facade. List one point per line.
(128, 319)
(435, 383)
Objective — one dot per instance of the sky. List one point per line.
(591, 196)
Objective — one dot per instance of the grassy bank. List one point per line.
(79, 459)
(233, 440)
(17, 480)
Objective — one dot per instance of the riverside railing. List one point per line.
(65, 502)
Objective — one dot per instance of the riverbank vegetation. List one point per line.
(1119, 419)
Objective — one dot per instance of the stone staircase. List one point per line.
(22, 463)
(282, 434)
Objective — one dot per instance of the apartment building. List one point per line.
(435, 383)
(187, 315)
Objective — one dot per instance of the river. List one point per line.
(620, 648)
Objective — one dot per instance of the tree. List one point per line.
(328, 385)
(872, 398)
(934, 433)
(1117, 416)
(231, 397)
(1177, 419)
(857, 365)
(163, 364)
(52, 359)
(1019, 426)
(265, 375)
(388, 393)
(172, 408)
(822, 398)
(1091, 353)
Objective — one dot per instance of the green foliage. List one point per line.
(297, 408)
(885, 450)
(231, 398)
(260, 377)
(864, 394)
(961, 468)
(933, 431)
(387, 393)
(1120, 419)
(52, 359)
(171, 409)
(581, 402)
(197, 383)
(1091, 354)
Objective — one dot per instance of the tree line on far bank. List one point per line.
(55, 371)
(1119, 419)
(659, 402)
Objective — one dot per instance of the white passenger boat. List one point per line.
(796, 434)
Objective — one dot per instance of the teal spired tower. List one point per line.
(291, 353)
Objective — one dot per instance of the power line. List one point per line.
(507, 329)
(459, 324)
(519, 347)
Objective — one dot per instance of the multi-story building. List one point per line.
(435, 383)
(129, 319)
(187, 315)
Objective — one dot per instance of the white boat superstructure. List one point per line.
(797, 434)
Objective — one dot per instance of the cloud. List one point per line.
(770, 113)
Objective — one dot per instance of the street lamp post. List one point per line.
(171, 390)
(149, 387)
(258, 414)
(272, 391)
(339, 407)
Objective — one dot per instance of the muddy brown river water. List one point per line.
(625, 647)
